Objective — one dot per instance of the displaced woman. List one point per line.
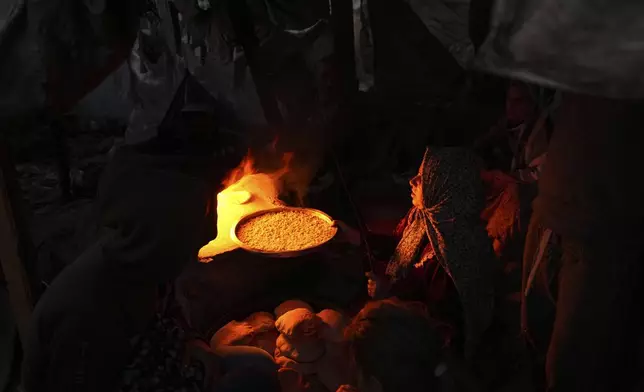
(444, 256)
(106, 322)
(515, 152)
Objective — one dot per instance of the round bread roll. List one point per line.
(266, 341)
(302, 350)
(256, 330)
(303, 369)
(261, 322)
(298, 323)
(234, 333)
(289, 305)
(333, 325)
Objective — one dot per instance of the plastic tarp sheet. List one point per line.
(208, 50)
(587, 46)
(21, 75)
(447, 20)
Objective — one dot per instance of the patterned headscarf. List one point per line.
(449, 220)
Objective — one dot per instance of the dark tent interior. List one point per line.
(321, 195)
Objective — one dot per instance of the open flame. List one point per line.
(245, 168)
(246, 191)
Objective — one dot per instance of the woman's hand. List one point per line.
(377, 287)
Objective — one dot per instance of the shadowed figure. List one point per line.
(153, 219)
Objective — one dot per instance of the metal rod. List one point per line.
(361, 226)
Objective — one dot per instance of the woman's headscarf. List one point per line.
(449, 220)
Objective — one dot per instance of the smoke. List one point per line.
(302, 147)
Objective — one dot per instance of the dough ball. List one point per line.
(261, 322)
(298, 323)
(300, 350)
(258, 330)
(266, 340)
(290, 305)
(289, 364)
(333, 325)
(234, 333)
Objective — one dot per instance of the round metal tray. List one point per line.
(294, 253)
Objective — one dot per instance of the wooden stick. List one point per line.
(362, 227)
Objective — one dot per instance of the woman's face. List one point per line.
(416, 191)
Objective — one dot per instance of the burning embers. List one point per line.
(246, 191)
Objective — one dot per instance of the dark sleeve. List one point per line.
(84, 359)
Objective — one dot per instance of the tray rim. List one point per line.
(283, 254)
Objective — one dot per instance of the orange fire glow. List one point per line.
(245, 168)
(246, 191)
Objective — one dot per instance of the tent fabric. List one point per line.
(155, 76)
(204, 44)
(158, 62)
(20, 91)
(52, 53)
(591, 47)
(363, 45)
(446, 20)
